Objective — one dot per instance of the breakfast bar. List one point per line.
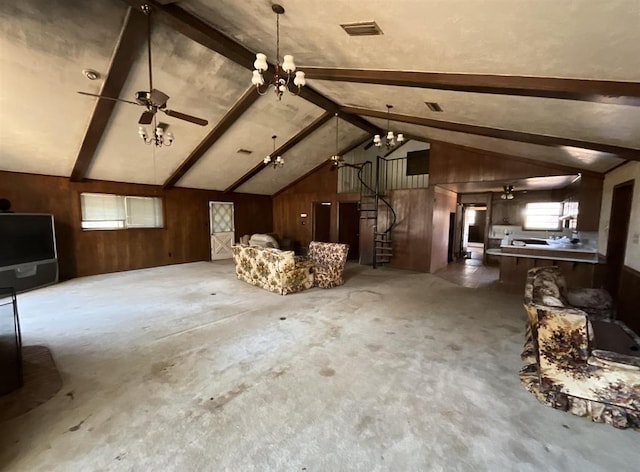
(580, 265)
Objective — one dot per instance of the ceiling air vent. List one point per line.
(433, 106)
(244, 151)
(362, 28)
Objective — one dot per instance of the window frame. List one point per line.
(125, 225)
(557, 227)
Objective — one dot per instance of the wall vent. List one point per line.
(244, 151)
(362, 28)
(433, 106)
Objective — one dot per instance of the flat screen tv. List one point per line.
(28, 256)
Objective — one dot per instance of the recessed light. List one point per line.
(433, 106)
(90, 74)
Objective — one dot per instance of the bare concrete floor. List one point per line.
(186, 368)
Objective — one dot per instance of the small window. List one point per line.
(543, 216)
(108, 211)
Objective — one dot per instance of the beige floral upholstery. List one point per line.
(272, 269)
(329, 260)
(571, 366)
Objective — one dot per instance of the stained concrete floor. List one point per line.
(186, 368)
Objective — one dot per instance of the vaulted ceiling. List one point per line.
(545, 80)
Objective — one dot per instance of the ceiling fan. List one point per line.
(154, 100)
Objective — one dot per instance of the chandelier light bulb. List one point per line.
(400, 137)
(168, 139)
(142, 132)
(257, 78)
(299, 79)
(266, 160)
(287, 64)
(261, 62)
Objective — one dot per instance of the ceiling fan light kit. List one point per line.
(507, 194)
(153, 100)
(282, 75)
(390, 139)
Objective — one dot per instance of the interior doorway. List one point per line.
(222, 230)
(349, 227)
(618, 230)
(474, 231)
(321, 222)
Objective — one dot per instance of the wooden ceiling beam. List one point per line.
(200, 32)
(234, 113)
(544, 140)
(599, 91)
(132, 36)
(310, 128)
(342, 152)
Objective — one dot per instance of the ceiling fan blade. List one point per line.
(159, 98)
(185, 117)
(146, 118)
(108, 98)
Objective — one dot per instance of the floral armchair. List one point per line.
(274, 270)
(328, 260)
(589, 368)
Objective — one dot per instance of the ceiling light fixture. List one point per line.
(282, 75)
(390, 138)
(275, 161)
(90, 74)
(159, 138)
(508, 192)
(336, 159)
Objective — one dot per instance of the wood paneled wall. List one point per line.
(412, 234)
(321, 186)
(185, 237)
(628, 307)
(414, 244)
(451, 163)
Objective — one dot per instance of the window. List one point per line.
(543, 216)
(107, 211)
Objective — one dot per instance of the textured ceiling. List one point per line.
(44, 45)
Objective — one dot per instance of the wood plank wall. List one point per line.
(185, 237)
(444, 203)
(321, 186)
(628, 309)
(413, 243)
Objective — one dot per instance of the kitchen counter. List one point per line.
(542, 251)
(580, 265)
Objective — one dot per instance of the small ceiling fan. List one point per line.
(154, 100)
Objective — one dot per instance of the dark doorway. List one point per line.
(618, 229)
(349, 227)
(322, 222)
(452, 231)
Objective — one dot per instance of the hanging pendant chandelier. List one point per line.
(282, 75)
(336, 159)
(275, 161)
(390, 139)
(507, 194)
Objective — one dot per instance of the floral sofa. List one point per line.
(329, 260)
(277, 271)
(572, 362)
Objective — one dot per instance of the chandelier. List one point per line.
(336, 159)
(159, 137)
(275, 161)
(390, 139)
(508, 192)
(282, 75)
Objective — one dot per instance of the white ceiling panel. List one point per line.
(572, 157)
(43, 48)
(587, 121)
(222, 165)
(198, 81)
(314, 150)
(571, 38)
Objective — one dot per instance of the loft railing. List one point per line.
(393, 176)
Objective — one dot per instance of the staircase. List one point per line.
(372, 201)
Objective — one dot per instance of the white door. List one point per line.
(222, 229)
